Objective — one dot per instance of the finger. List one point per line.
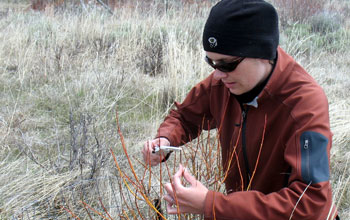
(149, 157)
(189, 178)
(177, 178)
(145, 150)
(169, 189)
(169, 199)
(145, 155)
(150, 146)
(179, 172)
(157, 142)
(171, 209)
(156, 158)
(172, 205)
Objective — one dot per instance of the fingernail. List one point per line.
(186, 170)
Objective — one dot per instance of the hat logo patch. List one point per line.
(213, 42)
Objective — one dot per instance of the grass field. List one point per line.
(63, 74)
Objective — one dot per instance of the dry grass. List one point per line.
(62, 76)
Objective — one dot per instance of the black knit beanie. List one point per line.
(244, 28)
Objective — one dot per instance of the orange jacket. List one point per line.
(291, 179)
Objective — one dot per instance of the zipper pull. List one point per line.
(306, 144)
(244, 113)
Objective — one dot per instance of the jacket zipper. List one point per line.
(306, 148)
(244, 145)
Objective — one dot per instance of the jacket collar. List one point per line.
(279, 76)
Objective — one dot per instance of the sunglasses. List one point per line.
(223, 66)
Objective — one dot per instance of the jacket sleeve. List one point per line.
(308, 193)
(297, 201)
(189, 118)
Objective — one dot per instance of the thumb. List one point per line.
(177, 177)
(189, 178)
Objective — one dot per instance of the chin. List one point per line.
(235, 92)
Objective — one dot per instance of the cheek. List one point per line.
(254, 80)
(251, 79)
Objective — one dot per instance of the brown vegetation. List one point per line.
(42, 5)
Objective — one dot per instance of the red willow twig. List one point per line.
(211, 158)
(87, 212)
(105, 208)
(171, 182)
(146, 199)
(138, 209)
(140, 188)
(126, 153)
(123, 197)
(94, 210)
(126, 215)
(258, 158)
(123, 175)
(233, 153)
(146, 168)
(240, 172)
(70, 212)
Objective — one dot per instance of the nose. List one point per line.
(218, 75)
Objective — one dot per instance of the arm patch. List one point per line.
(314, 158)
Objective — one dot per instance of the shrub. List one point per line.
(325, 22)
(291, 11)
(151, 55)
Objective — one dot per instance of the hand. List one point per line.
(189, 199)
(148, 148)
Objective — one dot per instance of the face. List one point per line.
(248, 73)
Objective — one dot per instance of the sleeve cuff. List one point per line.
(209, 205)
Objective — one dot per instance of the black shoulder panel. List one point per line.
(314, 158)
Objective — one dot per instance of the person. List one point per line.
(255, 86)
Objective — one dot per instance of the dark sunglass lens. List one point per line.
(209, 61)
(228, 67)
(223, 66)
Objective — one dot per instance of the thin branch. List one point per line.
(301, 196)
(258, 158)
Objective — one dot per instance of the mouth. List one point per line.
(229, 84)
